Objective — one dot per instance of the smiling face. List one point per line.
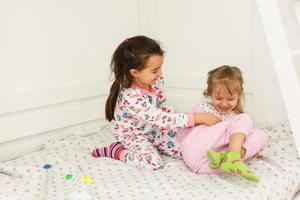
(149, 74)
(223, 100)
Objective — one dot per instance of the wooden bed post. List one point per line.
(283, 59)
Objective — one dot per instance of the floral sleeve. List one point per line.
(139, 107)
(162, 101)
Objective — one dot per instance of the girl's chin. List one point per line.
(224, 112)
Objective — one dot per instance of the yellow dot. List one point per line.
(86, 179)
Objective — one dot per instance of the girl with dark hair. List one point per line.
(144, 124)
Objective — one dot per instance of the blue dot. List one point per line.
(47, 166)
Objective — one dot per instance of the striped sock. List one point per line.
(111, 151)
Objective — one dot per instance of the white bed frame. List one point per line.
(280, 20)
(281, 29)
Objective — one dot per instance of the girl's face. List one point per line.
(151, 72)
(222, 100)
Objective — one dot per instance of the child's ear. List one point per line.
(134, 72)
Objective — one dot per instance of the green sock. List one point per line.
(232, 163)
(215, 158)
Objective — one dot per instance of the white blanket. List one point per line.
(65, 170)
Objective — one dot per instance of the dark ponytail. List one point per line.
(132, 53)
(111, 101)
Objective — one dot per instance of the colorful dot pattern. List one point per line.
(113, 179)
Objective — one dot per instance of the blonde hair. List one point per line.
(231, 78)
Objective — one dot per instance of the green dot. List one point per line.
(68, 176)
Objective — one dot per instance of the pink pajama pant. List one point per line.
(197, 140)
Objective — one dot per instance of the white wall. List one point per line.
(54, 66)
(54, 60)
(47, 44)
(201, 35)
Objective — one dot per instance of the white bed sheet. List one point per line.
(25, 178)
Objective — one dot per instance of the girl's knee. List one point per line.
(254, 142)
(159, 165)
(244, 117)
(154, 166)
(241, 123)
(260, 136)
(151, 161)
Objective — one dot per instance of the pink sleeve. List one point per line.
(191, 121)
(185, 131)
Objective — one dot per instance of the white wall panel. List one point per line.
(201, 35)
(51, 96)
(54, 67)
(79, 110)
(46, 44)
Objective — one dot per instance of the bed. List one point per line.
(64, 169)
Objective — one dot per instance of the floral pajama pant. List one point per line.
(143, 150)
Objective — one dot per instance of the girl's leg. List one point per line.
(167, 143)
(232, 162)
(236, 141)
(196, 143)
(141, 153)
(236, 132)
(215, 158)
(135, 150)
(115, 150)
(238, 129)
(255, 141)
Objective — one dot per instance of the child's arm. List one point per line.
(140, 107)
(206, 118)
(200, 117)
(162, 101)
(163, 104)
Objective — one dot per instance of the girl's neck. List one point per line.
(143, 86)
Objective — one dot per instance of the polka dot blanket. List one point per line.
(65, 170)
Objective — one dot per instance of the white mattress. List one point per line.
(25, 178)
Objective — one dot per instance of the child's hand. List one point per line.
(206, 118)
